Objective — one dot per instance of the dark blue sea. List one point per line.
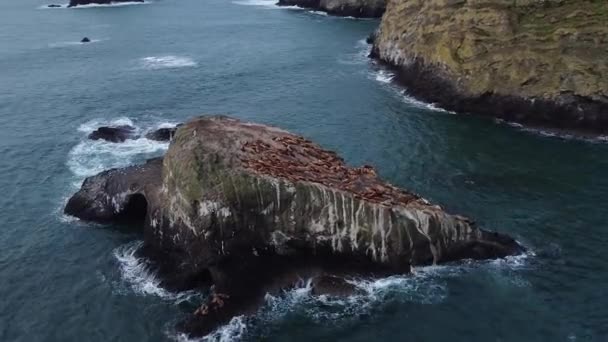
(162, 62)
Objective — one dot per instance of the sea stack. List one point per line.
(242, 204)
(541, 63)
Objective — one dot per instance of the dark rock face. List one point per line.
(113, 134)
(253, 209)
(332, 286)
(85, 40)
(117, 195)
(343, 8)
(103, 2)
(162, 134)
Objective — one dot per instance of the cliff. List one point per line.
(242, 204)
(536, 62)
(345, 8)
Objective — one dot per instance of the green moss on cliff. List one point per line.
(530, 49)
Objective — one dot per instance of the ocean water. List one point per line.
(159, 63)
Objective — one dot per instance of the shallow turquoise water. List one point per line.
(166, 61)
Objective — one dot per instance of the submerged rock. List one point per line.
(542, 63)
(344, 8)
(101, 2)
(246, 204)
(113, 134)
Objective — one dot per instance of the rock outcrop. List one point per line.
(345, 8)
(101, 2)
(117, 134)
(248, 205)
(541, 63)
(162, 134)
(113, 134)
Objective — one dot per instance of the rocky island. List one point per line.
(541, 63)
(344, 8)
(248, 208)
(74, 3)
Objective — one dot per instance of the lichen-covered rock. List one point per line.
(246, 204)
(345, 8)
(537, 62)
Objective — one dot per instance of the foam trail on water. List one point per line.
(73, 43)
(263, 3)
(555, 133)
(421, 104)
(166, 62)
(136, 272)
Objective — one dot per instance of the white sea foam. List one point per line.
(321, 13)
(90, 157)
(233, 331)
(262, 3)
(384, 76)
(555, 133)
(136, 272)
(166, 62)
(421, 104)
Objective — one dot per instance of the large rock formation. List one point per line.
(536, 62)
(250, 205)
(345, 8)
(101, 2)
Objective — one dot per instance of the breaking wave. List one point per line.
(89, 157)
(426, 285)
(233, 331)
(136, 272)
(166, 62)
(384, 76)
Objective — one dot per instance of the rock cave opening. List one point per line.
(134, 211)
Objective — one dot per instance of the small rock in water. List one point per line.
(53, 6)
(113, 134)
(85, 40)
(162, 134)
